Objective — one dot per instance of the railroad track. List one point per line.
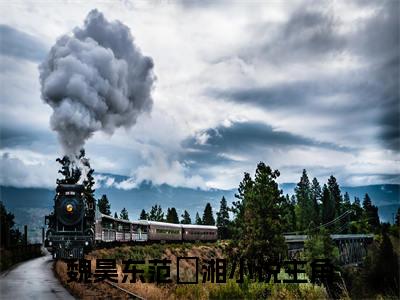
(131, 295)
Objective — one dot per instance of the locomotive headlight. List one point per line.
(86, 243)
(69, 208)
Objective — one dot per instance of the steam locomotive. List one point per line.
(71, 225)
(77, 226)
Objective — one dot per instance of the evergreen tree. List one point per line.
(6, 225)
(382, 268)
(115, 215)
(398, 217)
(223, 219)
(244, 193)
(346, 202)
(156, 213)
(328, 205)
(356, 207)
(186, 218)
(357, 224)
(124, 214)
(258, 215)
(371, 213)
(208, 218)
(336, 195)
(316, 196)
(104, 205)
(288, 215)
(304, 200)
(198, 220)
(347, 207)
(172, 216)
(143, 215)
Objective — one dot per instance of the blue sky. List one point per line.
(297, 86)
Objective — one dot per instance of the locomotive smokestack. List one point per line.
(95, 79)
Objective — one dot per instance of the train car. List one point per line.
(199, 232)
(160, 231)
(140, 231)
(109, 229)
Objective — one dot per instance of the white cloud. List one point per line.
(25, 169)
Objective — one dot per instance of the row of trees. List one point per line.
(313, 206)
(156, 214)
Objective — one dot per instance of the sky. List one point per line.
(296, 84)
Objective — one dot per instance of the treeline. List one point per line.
(314, 206)
(156, 214)
(171, 216)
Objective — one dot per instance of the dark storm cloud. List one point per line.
(19, 44)
(242, 138)
(380, 44)
(17, 136)
(312, 36)
(309, 34)
(303, 94)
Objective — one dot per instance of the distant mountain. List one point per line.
(30, 205)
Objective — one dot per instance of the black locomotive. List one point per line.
(71, 225)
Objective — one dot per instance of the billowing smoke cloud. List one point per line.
(95, 79)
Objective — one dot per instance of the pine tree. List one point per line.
(156, 213)
(186, 218)
(104, 205)
(6, 224)
(357, 224)
(258, 215)
(371, 213)
(238, 207)
(336, 195)
(356, 207)
(198, 220)
(172, 216)
(208, 218)
(124, 214)
(347, 207)
(115, 215)
(143, 215)
(316, 196)
(328, 205)
(223, 219)
(305, 205)
(288, 215)
(398, 217)
(382, 268)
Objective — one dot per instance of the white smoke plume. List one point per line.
(95, 79)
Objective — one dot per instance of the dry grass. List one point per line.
(146, 290)
(173, 291)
